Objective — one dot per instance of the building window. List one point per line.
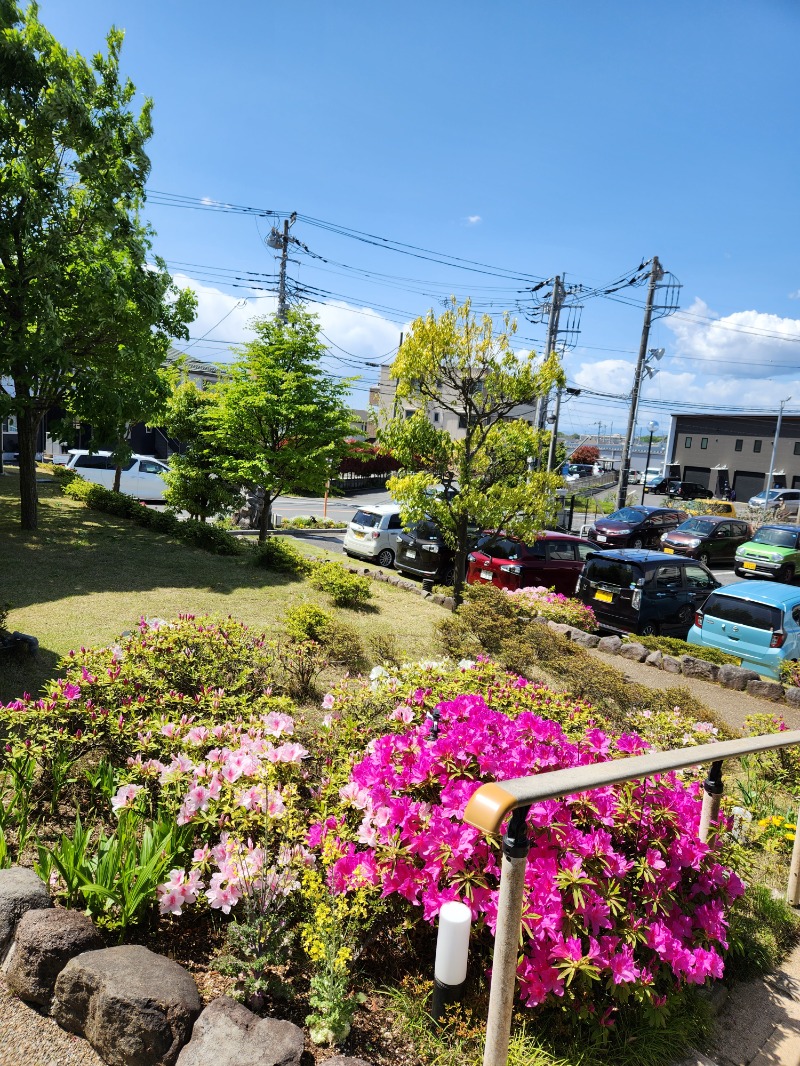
(410, 414)
(797, 447)
(462, 421)
(756, 445)
(688, 442)
(435, 416)
(704, 442)
(738, 445)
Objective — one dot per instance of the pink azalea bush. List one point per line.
(622, 902)
(555, 607)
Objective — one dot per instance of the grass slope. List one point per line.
(84, 577)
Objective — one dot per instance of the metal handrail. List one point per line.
(491, 804)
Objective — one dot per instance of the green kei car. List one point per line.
(773, 552)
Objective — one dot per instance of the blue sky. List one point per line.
(538, 138)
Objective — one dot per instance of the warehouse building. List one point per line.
(725, 452)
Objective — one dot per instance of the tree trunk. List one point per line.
(460, 560)
(27, 431)
(117, 477)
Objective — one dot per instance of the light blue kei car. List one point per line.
(758, 621)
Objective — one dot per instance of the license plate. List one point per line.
(606, 597)
(357, 534)
(602, 538)
(747, 565)
(669, 551)
(487, 575)
(411, 554)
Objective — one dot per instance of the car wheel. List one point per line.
(449, 576)
(386, 558)
(638, 542)
(649, 629)
(704, 558)
(785, 575)
(685, 616)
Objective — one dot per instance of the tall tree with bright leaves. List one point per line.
(460, 364)
(281, 422)
(86, 312)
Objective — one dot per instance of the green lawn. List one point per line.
(84, 577)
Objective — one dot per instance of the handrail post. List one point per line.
(793, 889)
(506, 940)
(712, 797)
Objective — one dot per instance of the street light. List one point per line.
(652, 426)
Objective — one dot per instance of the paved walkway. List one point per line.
(731, 706)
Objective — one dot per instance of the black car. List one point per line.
(644, 592)
(421, 551)
(635, 527)
(682, 490)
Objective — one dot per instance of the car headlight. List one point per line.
(614, 531)
(430, 547)
(777, 557)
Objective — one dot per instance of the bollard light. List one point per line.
(452, 953)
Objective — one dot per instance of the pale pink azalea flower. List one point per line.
(197, 735)
(201, 855)
(327, 721)
(124, 798)
(277, 724)
(290, 753)
(328, 701)
(403, 714)
(168, 729)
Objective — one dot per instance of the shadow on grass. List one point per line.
(77, 552)
(20, 673)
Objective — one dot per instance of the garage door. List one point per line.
(699, 475)
(747, 484)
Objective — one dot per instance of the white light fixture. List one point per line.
(452, 954)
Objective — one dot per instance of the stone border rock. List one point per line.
(394, 579)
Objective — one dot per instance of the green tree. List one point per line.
(459, 364)
(281, 423)
(87, 312)
(194, 480)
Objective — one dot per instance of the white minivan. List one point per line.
(372, 533)
(142, 477)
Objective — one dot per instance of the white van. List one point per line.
(372, 533)
(142, 477)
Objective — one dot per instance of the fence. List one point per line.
(492, 803)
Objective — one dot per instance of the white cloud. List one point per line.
(224, 319)
(746, 344)
(795, 295)
(473, 220)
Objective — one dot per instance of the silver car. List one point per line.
(779, 500)
(371, 533)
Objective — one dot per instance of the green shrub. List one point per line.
(276, 553)
(198, 534)
(344, 588)
(341, 641)
(486, 618)
(762, 929)
(781, 765)
(676, 647)
(311, 523)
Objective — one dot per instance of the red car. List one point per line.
(553, 560)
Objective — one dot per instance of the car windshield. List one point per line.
(773, 494)
(366, 518)
(743, 612)
(627, 514)
(780, 538)
(697, 525)
(614, 572)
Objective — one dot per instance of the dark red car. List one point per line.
(635, 527)
(553, 560)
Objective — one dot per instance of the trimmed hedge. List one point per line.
(197, 534)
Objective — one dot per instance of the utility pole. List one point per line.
(772, 458)
(278, 240)
(625, 466)
(550, 344)
(551, 455)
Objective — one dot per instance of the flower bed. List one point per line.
(327, 845)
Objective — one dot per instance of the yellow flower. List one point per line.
(789, 836)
